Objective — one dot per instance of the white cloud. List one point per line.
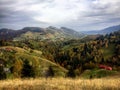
(78, 14)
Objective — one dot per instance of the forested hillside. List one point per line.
(33, 58)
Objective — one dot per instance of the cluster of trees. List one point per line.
(78, 56)
(22, 69)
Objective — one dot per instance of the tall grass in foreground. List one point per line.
(60, 84)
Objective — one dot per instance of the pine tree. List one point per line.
(27, 70)
(50, 72)
(2, 73)
(71, 73)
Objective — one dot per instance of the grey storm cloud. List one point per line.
(76, 14)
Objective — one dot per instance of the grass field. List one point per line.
(61, 84)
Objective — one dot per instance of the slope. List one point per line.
(10, 54)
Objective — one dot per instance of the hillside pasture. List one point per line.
(61, 84)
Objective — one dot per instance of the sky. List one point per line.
(80, 15)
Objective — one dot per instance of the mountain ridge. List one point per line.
(39, 33)
(107, 30)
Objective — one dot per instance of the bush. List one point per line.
(2, 73)
(27, 70)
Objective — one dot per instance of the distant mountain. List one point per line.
(7, 33)
(103, 31)
(111, 29)
(49, 33)
(71, 32)
(33, 29)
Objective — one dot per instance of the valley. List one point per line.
(59, 44)
(52, 57)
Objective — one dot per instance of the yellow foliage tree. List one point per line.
(17, 67)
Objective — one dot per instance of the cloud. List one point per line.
(76, 14)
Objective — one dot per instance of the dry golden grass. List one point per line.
(61, 84)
